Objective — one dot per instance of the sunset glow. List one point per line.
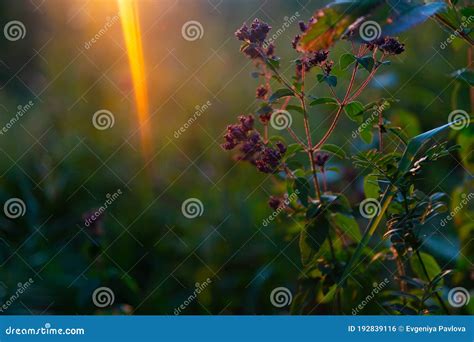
(132, 35)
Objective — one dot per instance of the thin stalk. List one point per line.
(308, 137)
(380, 132)
(339, 110)
(425, 271)
(333, 255)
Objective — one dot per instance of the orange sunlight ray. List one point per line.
(132, 35)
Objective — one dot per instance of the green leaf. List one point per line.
(371, 187)
(295, 108)
(416, 144)
(264, 109)
(274, 64)
(412, 15)
(416, 283)
(334, 19)
(330, 80)
(405, 295)
(323, 100)
(348, 225)
(302, 187)
(366, 133)
(280, 93)
(430, 263)
(403, 309)
(440, 276)
(312, 238)
(354, 111)
(346, 60)
(367, 62)
(292, 149)
(334, 149)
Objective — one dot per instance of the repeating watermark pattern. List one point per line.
(199, 110)
(459, 119)
(287, 22)
(14, 208)
(464, 201)
(192, 30)
(465, 22)
(103, 119)
(458, 297)
(370, 30)
(199, 288)
(192, 208)
(103, 297)
(377, 110)
(19, 291)
(369, 208)
(21, 110)
(281, 297)
(286, 201)
(111, 198)
(14, 30)
(281, 119)
(110, 21)
(376, 289)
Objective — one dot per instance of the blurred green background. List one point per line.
(142, 247)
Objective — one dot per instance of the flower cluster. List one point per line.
(261, 92)
(303, 27)
(251, 146)
(320, 159)
(254, 37)
(388, 45)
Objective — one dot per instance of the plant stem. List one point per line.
(460, 32)
(425, 271)
(339, 110)
(380, 132)
(292, 133)
(308, 137)
(469, 62)
(333, 255)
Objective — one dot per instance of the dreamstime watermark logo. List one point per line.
(110, 21)
(103, 119)
(370, 30)
(459, 119)
(199, 111)
(465, 22)
(94, 215)
(464, 201)
(369, 207)
(199, 288)
(22, 110)
(14, 30)
(192, 30)
(14, 208)
(281, 119)
(377, 110)
(46, 330)
(286, 201)
(103, 297)
(458, 296)
(281, 297)
(19, 291)
(192, 208)
(376, 289)
(287, 22)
